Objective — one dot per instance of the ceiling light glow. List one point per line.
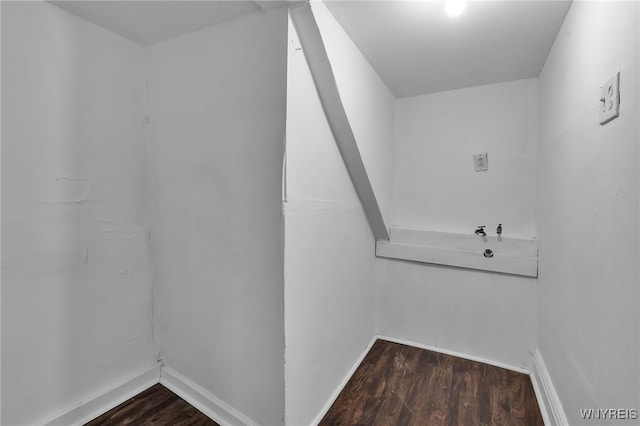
(455, 7)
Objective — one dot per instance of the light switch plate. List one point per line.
(610, 99)
(481, 162)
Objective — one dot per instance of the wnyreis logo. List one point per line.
(609, 413)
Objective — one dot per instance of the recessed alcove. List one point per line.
(507, 255)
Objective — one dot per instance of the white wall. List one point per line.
(369, 105)
(588, 212)
(436, 186)
(217, 106)
(481, 314)
(329, 254)
(76, 274)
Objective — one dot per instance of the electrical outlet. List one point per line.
(610, 99)
(481, 162)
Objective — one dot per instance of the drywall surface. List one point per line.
(369, 105)
(481, 314)
(436, 186)
(76, 274)
(329, 254)
(588, 212)
(327, 89)
(217, 113)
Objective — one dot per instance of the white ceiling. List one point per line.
(413, 45)
(417, 49)
(148, 21)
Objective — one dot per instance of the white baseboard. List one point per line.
(342, 384)
(209, 404)
(548, 399)
(105, 400)
(540, 397)
(225, 414)
(456, 354)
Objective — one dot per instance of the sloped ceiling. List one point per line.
(149, 21)
(413, 45)
(417, 49)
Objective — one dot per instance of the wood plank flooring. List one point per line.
(394, 385)
(156, 406)
(401, 385)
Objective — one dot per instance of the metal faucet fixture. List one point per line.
(480, 231)
(499, 229)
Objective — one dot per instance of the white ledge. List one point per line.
(510, 255)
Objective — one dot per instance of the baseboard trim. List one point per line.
(224, 414)
(456, 354)
(344, 382)
(209, 404)
(542, 402)
(548, 400)
(103, 401)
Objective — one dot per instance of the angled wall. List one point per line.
(588, 214)
(218, 103)
(76, 273)
(369, 106)
(329, 254)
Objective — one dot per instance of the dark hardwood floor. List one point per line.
(394, 385)
(156, 406)
(402, 385)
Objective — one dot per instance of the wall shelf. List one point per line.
(510, 255)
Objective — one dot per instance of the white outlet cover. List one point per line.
(481, 162)
(610, 99)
